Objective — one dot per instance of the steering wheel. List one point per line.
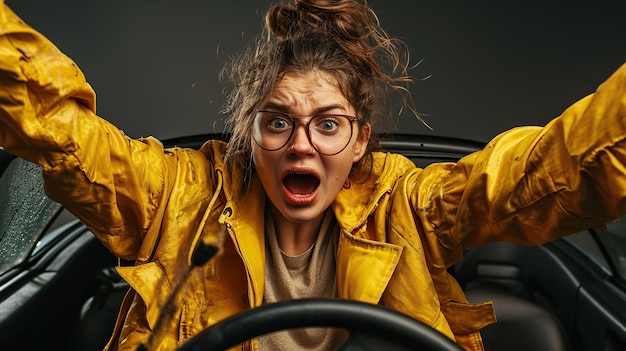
(370, 327)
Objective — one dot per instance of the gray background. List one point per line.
(493, 65)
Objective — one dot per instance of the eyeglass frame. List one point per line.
(291, 116)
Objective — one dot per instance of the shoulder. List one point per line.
(390, 165)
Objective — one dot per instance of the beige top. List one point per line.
(308, 275)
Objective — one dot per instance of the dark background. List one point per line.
(493, 65)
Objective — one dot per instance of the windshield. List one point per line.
(25, 212)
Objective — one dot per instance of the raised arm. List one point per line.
(533, 184)
(47, 116)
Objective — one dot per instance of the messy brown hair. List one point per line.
(340, 37)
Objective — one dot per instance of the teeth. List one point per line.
(302, 173)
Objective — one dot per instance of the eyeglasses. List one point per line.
(329, 134)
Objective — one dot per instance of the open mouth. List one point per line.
(299, 183)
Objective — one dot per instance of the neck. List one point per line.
(295, 238)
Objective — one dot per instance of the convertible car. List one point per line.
(59, 289)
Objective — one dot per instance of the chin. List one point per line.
(295, 214)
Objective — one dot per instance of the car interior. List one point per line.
(62, 292)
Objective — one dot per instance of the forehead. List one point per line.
(312, 89)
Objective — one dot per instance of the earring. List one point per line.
(347, 184)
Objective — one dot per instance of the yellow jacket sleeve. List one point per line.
(534, 184)
(47, 116)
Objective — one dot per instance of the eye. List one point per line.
(326, 123)
(278, 123)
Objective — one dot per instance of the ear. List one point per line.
(360, 147)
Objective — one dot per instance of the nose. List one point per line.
(300, 142)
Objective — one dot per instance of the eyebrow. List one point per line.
(285, 109)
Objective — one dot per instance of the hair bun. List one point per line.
(344, 20)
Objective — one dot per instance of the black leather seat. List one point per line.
(99, 313)
(522, 325)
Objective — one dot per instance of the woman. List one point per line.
(297, 202)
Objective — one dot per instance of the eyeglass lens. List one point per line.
(329, 134)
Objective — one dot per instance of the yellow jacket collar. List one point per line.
(359, 198)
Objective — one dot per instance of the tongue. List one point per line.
(301, 184)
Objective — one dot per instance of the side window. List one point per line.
(25, 211)
(586, 244)
(613, 239)
(609, 250)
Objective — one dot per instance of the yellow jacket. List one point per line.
(400, 230)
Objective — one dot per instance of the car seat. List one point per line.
(521, 324)
(527, 313)
(99, 312)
